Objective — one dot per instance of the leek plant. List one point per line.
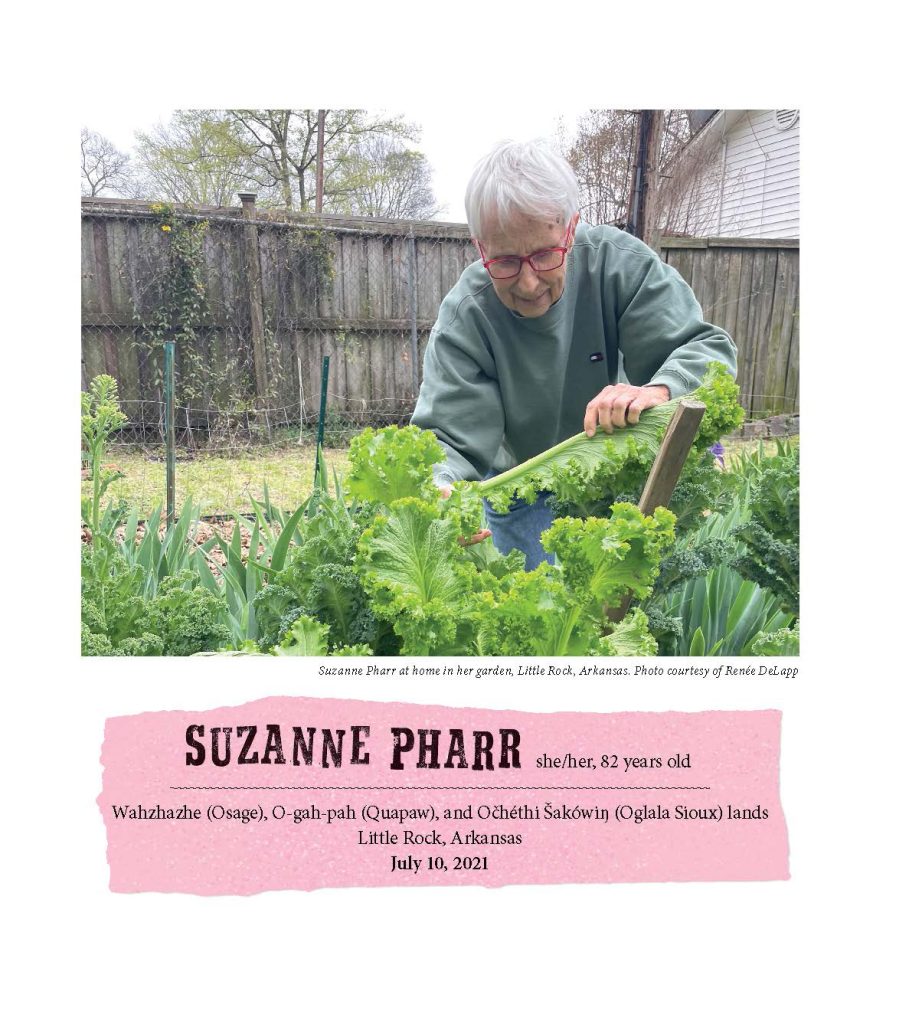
(709, 608)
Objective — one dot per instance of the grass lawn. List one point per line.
(749, 446)
(223, 485)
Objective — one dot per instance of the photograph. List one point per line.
(354, 384)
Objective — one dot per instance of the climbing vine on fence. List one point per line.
(304, 259)
(310, 255)
(181, 312)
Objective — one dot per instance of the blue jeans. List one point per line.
(520, 528)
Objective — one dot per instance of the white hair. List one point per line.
(520, 177)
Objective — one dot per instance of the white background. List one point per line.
(823, 946)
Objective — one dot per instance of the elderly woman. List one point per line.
(529, 344)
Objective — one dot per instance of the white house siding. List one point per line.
(760, 178)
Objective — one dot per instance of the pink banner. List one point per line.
(296, 793)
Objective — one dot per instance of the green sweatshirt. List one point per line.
(499, 388)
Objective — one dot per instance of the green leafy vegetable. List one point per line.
(701, 604)
(101, 418)
(603, 559)
(582, 469)
(464, 508)
(532, 613)
(723, 414)
(721, 614)
(337, 598)
(318, 579)
(187, 617)
(771, 535)
(412, 568)
(781, 643)
(439, 601)
(393, 463)
(631, 638)
(117, 619)
(307, 637)
(380, 570)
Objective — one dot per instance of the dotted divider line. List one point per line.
(462, 788)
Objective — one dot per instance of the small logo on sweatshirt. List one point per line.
(596, 357)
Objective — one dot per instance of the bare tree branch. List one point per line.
(104, 167)
(601, 151)
(286, 149)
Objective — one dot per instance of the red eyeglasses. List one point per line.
(504, 267)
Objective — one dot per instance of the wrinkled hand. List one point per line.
(620, 405)
(464, 541)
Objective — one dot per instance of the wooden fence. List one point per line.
(750, 288)
(372, 314)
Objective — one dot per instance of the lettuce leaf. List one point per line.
(393, 463)
(603, 559)
(631, 638)
(307, 637)
(532, 613)
(582, 469)
(414, 571)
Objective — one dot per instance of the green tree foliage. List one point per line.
(206, 156)
(198, 157)
(285, 148)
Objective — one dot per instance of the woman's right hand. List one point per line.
(465, 541)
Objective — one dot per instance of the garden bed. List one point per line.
(371, 563)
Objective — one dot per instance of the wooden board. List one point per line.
(776, 357)
(368, 301)
(665, 472)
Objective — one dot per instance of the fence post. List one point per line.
(320, 434)
(665, 472)
(169, 432)
(254, 288)
(412, 283)
(302, 403)
(105, 298)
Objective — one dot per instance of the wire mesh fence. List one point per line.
(225, 458)
(255, 300)
(254, 304)
(232, 465)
